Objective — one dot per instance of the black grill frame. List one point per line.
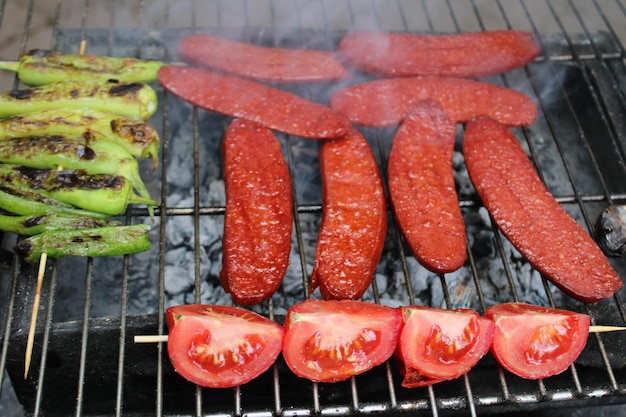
(598, 52)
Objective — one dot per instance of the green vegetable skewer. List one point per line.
(139, 138)
(96, 242)
(42, 66)
(125, 99)
(103, 193)
(93, 155)
(29, 203)
(32, 225)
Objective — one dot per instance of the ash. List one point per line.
(191, 264)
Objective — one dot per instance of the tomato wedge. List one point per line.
(221, 346)
(437, 345)
(329, 341)
(536, 342)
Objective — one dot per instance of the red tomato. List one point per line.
(221, 346)
(329, 341)
(535, 342)
(437, 345)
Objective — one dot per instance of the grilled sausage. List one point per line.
(354, 219)
(530, 217)
(386, 102)
(258, 217)
(422, 191)
(469, 55)
(246, 99)
(261, 63)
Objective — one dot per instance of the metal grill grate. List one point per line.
(85, 362)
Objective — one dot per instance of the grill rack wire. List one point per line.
(584, 34)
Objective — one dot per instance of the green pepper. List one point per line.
(91, 154)
(32, 225)
(103, 193)
(42, 66)
(125, 99)
(30, 203)
(99, 241)
(139, 138)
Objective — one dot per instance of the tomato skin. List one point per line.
(329, 341)
(438, 345)
(221, 346)
(535, 342)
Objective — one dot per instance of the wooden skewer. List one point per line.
(42, 268)
(157, 338)
(33, 317)
(161, 338)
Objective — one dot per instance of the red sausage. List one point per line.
(258, 217)
(246, 99)
(530, 217)
(354, 218)
(261, 63)
(422, 191)
(386, 102)
(469, 55)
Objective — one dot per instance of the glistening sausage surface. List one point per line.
(258, 217)
(474, 54)
(530, 217)
(261, 63)
(246, 99)
(354, 218)
(422, 190)
(386, 102)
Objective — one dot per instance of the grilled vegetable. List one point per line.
(611, 230)
(139, 138)
(104, 193)
(125, 99)
(87, 153)
(30, 203)
(95, 242)
(32, 225)
(42, 66)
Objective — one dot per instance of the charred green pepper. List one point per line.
(88, 153)
(42, 66)
(103, 193)
(125, 99)
(32, 225)
(139, 138)
(100, 241)
(30, 203)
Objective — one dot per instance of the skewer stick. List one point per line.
(161, 338)
(604, 329)
(157, 338)
(40, 273)
(33, 317)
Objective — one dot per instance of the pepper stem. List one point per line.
(10, 65)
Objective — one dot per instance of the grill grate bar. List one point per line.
(473, 398)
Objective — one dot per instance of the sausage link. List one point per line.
(258, 217)
(530, 217)
(261, 63)
(422, 190)
(246, 99)
(468, 55)
(386, 102)
(354, 218)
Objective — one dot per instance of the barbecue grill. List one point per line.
(85, 361)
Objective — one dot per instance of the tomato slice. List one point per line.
(437, 345)
(329, 341)
(221, 346)
(536, 342)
